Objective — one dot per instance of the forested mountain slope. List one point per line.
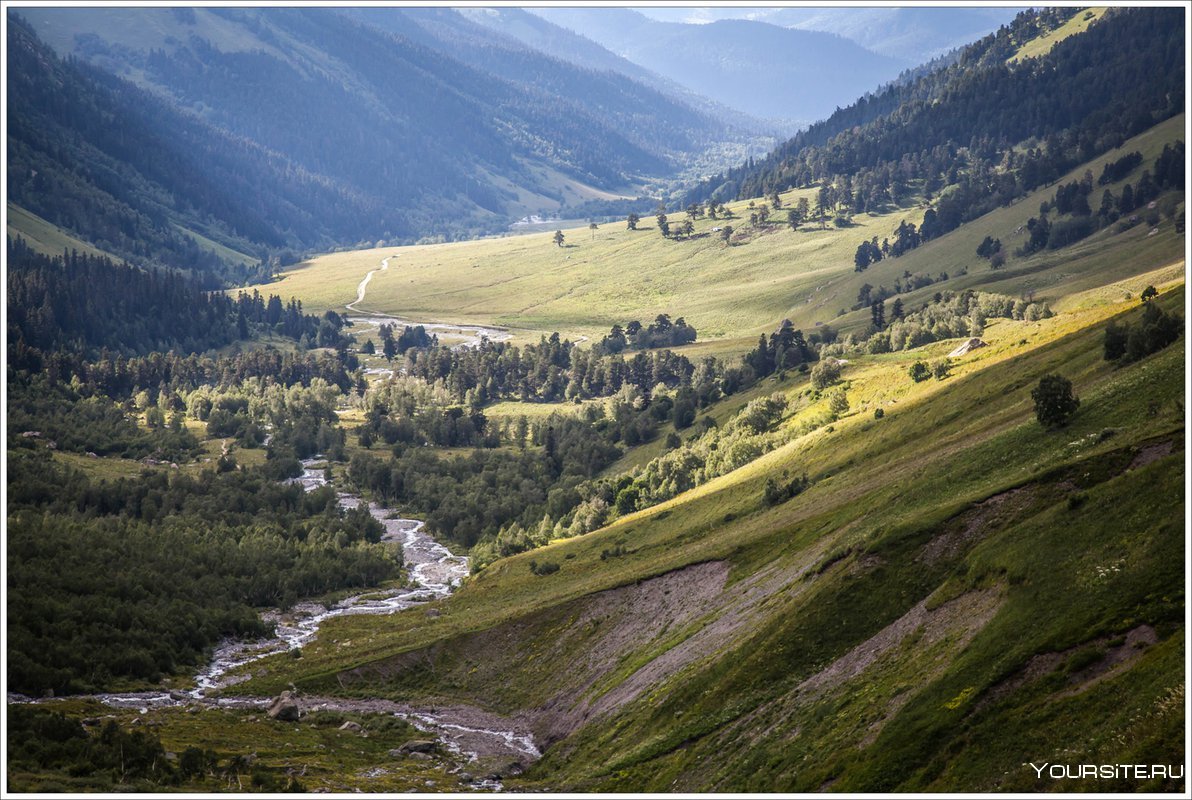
(1080, 98)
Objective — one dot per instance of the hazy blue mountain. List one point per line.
(914, 34)
(917, 34)
(567, 45)
(762, 69)
(555, 40)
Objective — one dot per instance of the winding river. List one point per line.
(434, 572)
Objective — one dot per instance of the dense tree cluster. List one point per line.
(948, 315)
(41, 413)
(41, 739)
(1131, 342)
(550, 371)
(784, 349)
(464, 497)
(185, 562)
(1074, 218)
(411, 410)
(708, 453)
(659, 333)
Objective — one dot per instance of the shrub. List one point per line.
(919, 372)
(776, 492)
(825, 373)
(838, 402)
(1054, 401)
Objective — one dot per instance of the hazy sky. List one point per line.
(702, 14)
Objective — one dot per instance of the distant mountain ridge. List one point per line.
(805, 74)
(915, 34)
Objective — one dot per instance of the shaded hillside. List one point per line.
(121, 186)
(635, 110)
(410, 142)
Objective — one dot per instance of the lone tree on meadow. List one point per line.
(592, 226)
(558, 238)
(1148, 294)
(726, 234)
(631, 221)
(1054, 401)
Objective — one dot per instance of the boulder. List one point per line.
(966, 347)
(285, 707)
(351, 726)
(418, 746)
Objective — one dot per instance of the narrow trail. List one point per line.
(435, 573)
(363, 287)
(472, 335)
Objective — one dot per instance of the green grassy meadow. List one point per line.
(729, 293)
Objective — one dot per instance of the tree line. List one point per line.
(88, 303)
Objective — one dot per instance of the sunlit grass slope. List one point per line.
(1041, 45)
